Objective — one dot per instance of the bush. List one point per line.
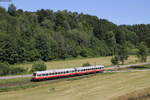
(39, 66)
(17, 70)
(115, 60)
(4, 69)
(86, 64)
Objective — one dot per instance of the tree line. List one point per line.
(47, 35)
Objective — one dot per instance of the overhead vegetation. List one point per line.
(48, 35)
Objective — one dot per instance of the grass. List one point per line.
(23, 83)
(143, 94)
(104, 86)
(78, 62)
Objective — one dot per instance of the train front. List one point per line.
(34, 75)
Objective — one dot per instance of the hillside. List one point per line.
(96, 87)
(47, 35)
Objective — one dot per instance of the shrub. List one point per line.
(115, 60)
(17, 70)
(4, 69)
(86, 64)
(39, 66)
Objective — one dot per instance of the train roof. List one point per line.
(67, 69)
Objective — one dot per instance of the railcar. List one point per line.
(58, 73)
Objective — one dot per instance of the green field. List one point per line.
(96, 87)
(78, 62)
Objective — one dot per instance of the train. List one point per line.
(59, 73)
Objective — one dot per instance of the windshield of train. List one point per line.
(34, 74)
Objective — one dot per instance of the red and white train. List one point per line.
(50, 74)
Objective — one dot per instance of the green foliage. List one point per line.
(123, 53)
(121, 56)
(86, 64)
(115, 60)
(48, 35)
(17, 70)
(6, 69)
(39, 66)
(143, 52)
(12, 9)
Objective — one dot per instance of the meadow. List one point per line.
(106, 61)
(104, 86)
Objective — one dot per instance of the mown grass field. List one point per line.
(143, 94)
(104, 86)
(78, 62)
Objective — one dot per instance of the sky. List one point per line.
(117, 11)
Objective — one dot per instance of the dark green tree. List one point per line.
(115, 60)
(123, 53)
(142, 53)
(12, 9)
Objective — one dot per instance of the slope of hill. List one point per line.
(47, 35)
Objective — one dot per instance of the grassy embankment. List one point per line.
(96, 87)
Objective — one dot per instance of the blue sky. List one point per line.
(116, 11)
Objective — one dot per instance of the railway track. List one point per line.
(111, 67)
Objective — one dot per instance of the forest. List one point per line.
(49, 35)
